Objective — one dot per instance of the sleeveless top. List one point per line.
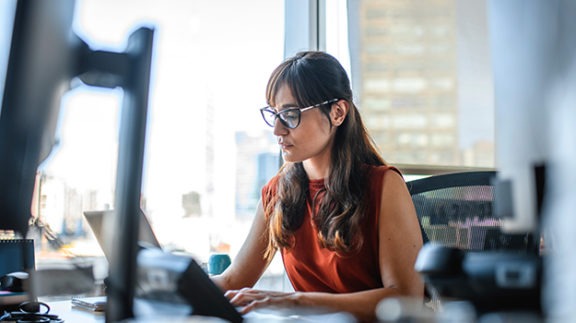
(312, 268)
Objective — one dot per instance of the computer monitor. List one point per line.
(39, 66)
(44, 56)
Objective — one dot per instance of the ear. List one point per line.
(339, 112)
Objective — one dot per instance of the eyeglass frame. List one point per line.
(300, 110)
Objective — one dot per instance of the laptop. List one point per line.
(183, 277)
(95, 219)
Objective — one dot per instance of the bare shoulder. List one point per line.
(396, 203)
(393, 182)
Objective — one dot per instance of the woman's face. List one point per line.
(312, 138)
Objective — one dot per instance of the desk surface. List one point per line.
(71, 314)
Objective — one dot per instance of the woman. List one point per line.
(341, 218)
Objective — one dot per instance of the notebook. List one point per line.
(93, 303)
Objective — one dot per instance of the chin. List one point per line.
(290, 158)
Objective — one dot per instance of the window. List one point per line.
(421, 70)
(207, 153)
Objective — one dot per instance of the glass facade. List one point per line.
(419, 69)
(419, 84)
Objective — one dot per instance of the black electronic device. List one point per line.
(45, 55)
(14, 282)
(498, 280)
(178, 280)
(40, 65)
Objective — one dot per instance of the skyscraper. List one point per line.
(405, 71)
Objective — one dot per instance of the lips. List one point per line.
(284, 145)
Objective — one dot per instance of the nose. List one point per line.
(279, 128)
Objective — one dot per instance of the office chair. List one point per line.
(455, 210)
(458, 226)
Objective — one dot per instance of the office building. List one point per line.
(406, 73)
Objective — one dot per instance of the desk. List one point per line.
(71, 314)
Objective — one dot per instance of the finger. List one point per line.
(242, 298)
(252, 293)
(256, 304)
(238, 300)
(231, 293)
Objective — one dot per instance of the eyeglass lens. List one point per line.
(289, 117)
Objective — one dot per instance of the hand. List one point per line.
(250, 299)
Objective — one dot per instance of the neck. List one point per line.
(317, 168)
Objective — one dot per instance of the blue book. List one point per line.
(16, 255)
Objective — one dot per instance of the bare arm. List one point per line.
(400, 238)
(249, 264)
(399, 243)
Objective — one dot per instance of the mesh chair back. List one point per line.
(455, 210)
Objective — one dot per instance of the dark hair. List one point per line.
(314, 77)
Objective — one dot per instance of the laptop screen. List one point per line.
(96, 221)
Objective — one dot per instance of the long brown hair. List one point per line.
(314, 77)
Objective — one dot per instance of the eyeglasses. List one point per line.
(288, 117)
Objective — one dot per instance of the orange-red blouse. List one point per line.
(313, 268)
